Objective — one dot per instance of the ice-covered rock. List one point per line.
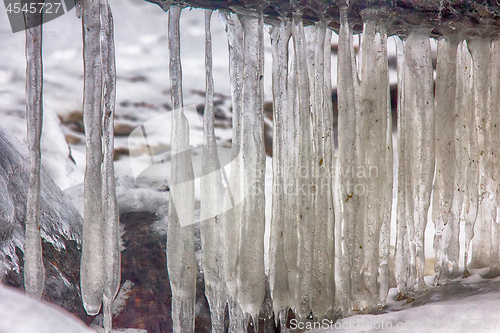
(61, 227)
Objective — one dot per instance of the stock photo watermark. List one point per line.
(43, 10)
(367, 324)
(151, 162)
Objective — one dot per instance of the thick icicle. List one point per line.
(321, 189)
(446, 227)
(304, 214)
(111, 234)
(419, 100)
(212, 191)
(376, 154)
(347, 87)
(92, 263)
(461, 134)
(278, 275)
(402, 253)
(468, 140)
(34, 272)
(479, 48)
(181, 261)
(250, 264)
(234, 196)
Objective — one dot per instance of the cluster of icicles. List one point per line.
(331, 209)
(100, 263)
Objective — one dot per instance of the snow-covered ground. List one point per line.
(143, 99)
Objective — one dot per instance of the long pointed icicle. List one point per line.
(446, 228)
(234, 196)
(92, 264)
(419, 97)
(376, 153)
(347, 160)
(250, 264)
(212, 191)
(34, 272)
(111, 234)
(278, 276)
(181, 261)
(479, 48)
(304, 213)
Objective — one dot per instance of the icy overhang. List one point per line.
(460, 18)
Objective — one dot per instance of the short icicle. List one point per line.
(347, 90)
(250, 273)
(111, 233)
(212, 191)
(92, 262)
(234, 196)
(446, 225)
(181, 261)
(34, 272)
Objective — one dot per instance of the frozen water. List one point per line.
(212, 194)
(181, 260)
(111, 234)
(34, 272)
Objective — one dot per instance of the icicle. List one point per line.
(494, 107)
(323, 254)
(419, 100)
(347, 87)
(111, 236)
(232, 216)
(402, 254)
(376, 154)
(34, 272)
(181, 261)
(446, 227)
(212, 190)
(250, 264)
(282, 178)
(462, 124)
(304, 213)
(329, 161)
(468, 140)
(290, 242)
(479, 48)
(92, 263)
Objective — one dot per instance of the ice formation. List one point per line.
(331, 207)
(212, 196)
(34, 272)
(111, 236)
(181, 260)
(100, 266)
